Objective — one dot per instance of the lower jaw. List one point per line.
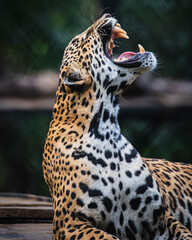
(134, 62)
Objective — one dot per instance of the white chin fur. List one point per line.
(153, 61)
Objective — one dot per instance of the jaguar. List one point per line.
(101, 187)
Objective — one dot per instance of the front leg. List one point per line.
(70, 227)
(69, 223)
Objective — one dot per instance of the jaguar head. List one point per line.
(89, 59)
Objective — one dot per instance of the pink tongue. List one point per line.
(126, 55)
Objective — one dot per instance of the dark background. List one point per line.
(34, 35)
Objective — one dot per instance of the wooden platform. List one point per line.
(25, 217)
(27, 231)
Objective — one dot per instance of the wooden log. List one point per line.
(27, 231)
(19, 207)
(25, 217)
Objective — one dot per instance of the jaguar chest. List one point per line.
(113, 183)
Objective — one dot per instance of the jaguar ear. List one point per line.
(73, 78)
(76, 79)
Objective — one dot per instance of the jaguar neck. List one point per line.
(104, 123)
(92, 112)
(73, 108)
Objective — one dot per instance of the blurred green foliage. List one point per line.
(163, 27)
(169, 139)
(34, 34)
(21, 148)
(23, 136)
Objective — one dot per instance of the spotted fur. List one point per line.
(100, 186)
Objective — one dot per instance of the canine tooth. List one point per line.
(112, 45)
(110, 51)
(121, 35)
(119, 30)
(141, 49)
(118, 25)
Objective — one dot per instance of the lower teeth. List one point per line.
(120, 60)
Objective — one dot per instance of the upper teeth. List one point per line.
(118, 32)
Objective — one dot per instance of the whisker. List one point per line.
(87, 17)
(117, 42)
(68, 35)
(114, 15)
(92, 17)
(122, 98)
(68, 38)
(103, 10)
(157, 72)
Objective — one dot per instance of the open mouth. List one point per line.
(126, 59)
